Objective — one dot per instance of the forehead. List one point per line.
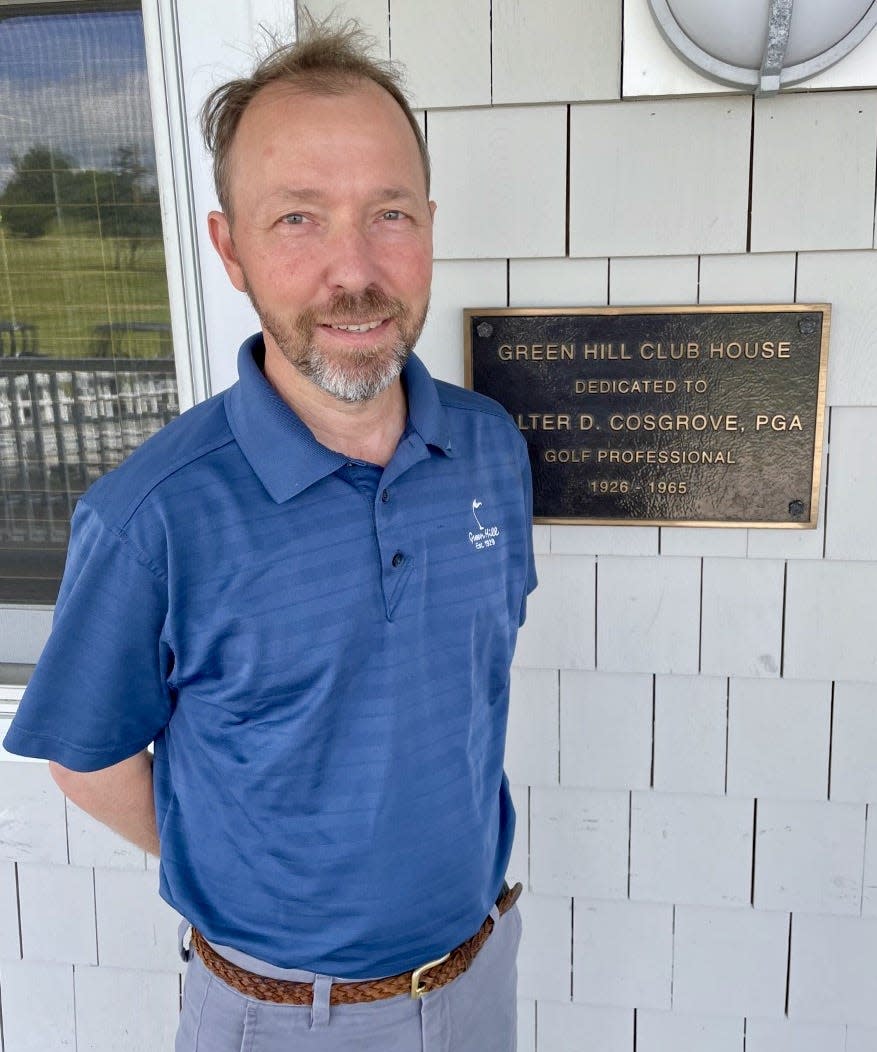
(297, 126)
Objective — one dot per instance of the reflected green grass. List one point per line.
(67, 284)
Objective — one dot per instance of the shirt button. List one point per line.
(385, 496)
(398, 559)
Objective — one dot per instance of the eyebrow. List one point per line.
(298, 194)
(312, 195)
(396, 193)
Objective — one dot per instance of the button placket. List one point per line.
(396, 558)
(398, 549)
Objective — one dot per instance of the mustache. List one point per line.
(351, 309)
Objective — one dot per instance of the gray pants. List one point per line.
(474, 1013)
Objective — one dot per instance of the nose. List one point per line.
(351, 263)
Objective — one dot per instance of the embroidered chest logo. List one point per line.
(485, 535)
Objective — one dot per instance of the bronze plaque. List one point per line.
(691, 416)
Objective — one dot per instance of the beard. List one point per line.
(354, 374)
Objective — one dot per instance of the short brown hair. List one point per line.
(328, 58)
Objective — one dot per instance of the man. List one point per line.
(284, 592)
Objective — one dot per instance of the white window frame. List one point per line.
(187, 53)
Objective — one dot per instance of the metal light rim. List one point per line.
(743, 76)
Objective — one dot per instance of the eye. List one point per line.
(393, 213)
(293, 219)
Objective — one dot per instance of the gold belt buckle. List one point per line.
(417, 991)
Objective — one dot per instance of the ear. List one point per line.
(432, 208)
(220, 234)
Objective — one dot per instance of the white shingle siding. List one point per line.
(38, 1007)
(778, 737)
(772, 1035)
(832, 978)
(479, 283)
(869, 875)
(763, 278)
(854, 743)
(852, 492)
(648, 615)
(623, 954)
(118, 1008)
(848, 281)
(533, 62)
(56, 905)
(741, 627)
(32, 821)
(508, 201)
(549, 641)
(133, 923)
(579, 842)
(703, 541)
(860, 1039)
(694, 849)
(830, 621)
(605, 730)
(802, 199)
(545, 970)
(445, 47)
(10, 940)
(668, 200)
(691, 733)
(562, 1027)
(547, 282)
(668, 1032)
(730, 962)
(604, 540)
(665, 279)
(532, 744)
(809, 856)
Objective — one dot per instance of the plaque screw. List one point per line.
(796, 508)
(808, 326)
(484, 330)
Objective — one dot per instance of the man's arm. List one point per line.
(119, 796)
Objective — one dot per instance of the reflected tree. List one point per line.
(134, 214)
(32, 198)
(46, 188)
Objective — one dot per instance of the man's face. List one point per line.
(331, 235)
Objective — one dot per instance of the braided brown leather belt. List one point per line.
(429, 976)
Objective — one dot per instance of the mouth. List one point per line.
(365, 326)
(357, 333)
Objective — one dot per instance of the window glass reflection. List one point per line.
(86, 367)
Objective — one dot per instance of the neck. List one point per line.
(367, 430)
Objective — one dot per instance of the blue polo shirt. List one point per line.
(319, 649)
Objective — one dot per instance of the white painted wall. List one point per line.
(694, 714)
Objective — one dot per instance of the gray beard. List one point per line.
(360, 376)
(357, 375)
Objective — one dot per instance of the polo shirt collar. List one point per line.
(426, 414)
(282, 450)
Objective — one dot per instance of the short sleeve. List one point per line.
(99, 693)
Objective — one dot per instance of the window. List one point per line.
(86, 364)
